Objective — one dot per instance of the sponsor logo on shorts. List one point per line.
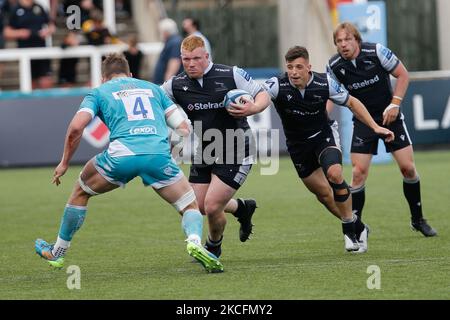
(168, 171)
(358, 142)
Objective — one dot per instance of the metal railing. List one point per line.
(95, 53)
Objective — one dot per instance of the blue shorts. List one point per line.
(156, 170)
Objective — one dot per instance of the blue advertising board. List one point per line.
(370, 19)
(426, 107)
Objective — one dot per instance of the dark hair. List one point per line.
(296, 52)
(195, 22)
(115, 63)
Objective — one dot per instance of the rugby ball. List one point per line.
(237, 96)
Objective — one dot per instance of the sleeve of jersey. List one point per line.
(245, 82)
(387, 58)
(166, 103)
(90, 104)
(331, 72)
(167, 88)
(338, 94)
(272, 86)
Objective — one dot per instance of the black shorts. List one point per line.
(365, 141)
(232, 175)
(305, 155)
(40, 68)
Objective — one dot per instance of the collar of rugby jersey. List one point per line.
(302, 91)
(200, 80)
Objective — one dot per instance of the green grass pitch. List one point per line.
(131, 244)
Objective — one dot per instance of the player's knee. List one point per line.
(341, 191)
(330, 160)
(186, 201)
(212, 208)
(192, 206)
(408, 171)
(359, 175)
(83, 190)
(334, 174)
(79, 195)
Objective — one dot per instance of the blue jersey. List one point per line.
(134, 112)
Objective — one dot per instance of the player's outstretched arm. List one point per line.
(361, 113)
(330, 106)
(71, 143)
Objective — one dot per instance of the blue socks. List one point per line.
(192, 223)
(71, 221)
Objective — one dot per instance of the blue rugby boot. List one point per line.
(44, 249)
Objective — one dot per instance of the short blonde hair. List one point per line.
(115, 63)
(192, 42)
(349, 28)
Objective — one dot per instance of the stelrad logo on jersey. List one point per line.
(204, 106)
(365, 83)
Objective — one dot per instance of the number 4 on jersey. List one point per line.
(137, 103)
(139, 108)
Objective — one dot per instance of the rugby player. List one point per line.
(137, 114)
(365, 69)
(300, 97)
(216, 176)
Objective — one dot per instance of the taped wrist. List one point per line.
(175, 119)
(396, 100)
